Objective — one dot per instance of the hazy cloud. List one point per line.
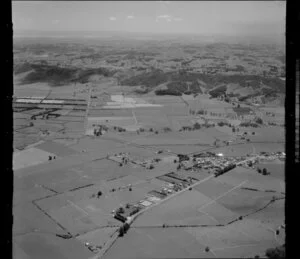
(112, 18)
(56, 21)
(165, 17)
(130, 17)
(163, 2)
(178, 19)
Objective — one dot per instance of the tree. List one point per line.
(259, 121)
(276, 253)
(121, 231)
(167, 129)
(197, 126)
(264, 171)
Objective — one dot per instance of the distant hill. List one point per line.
(181, 82)
(57, 76)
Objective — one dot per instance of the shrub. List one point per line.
(276, 253)
(200, 112)
(167, 129)
(197, 126)
(167, 92)
(259, 121)
(264, 171)
(218, 91)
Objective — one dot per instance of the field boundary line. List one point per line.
(220, 196)
(77, 207)
(230, 247)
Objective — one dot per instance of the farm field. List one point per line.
(171, 138)
(66, 188)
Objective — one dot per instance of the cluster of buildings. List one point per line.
(272, 155)
(99, 130)
(208, 161)
(124, 158)
(174, 183)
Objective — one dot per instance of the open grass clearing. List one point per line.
(273, 216)
(96, 145)
(73, 219)
(219, 238)
(212, 188)
(37, 246)
(156, 243)
(97, 237)
(256, 180)
(55, 148)
(30, 157)
(243, 202)
(218, 212)
(33, 193)
(276, 169)
(242, 251)
(177, 208)
(27, 218)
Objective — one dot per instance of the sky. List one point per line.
(196, 17)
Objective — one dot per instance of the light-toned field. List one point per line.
(277, 169)
(29, 157)
(157, 243)
(97, 237)
(37, 245)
